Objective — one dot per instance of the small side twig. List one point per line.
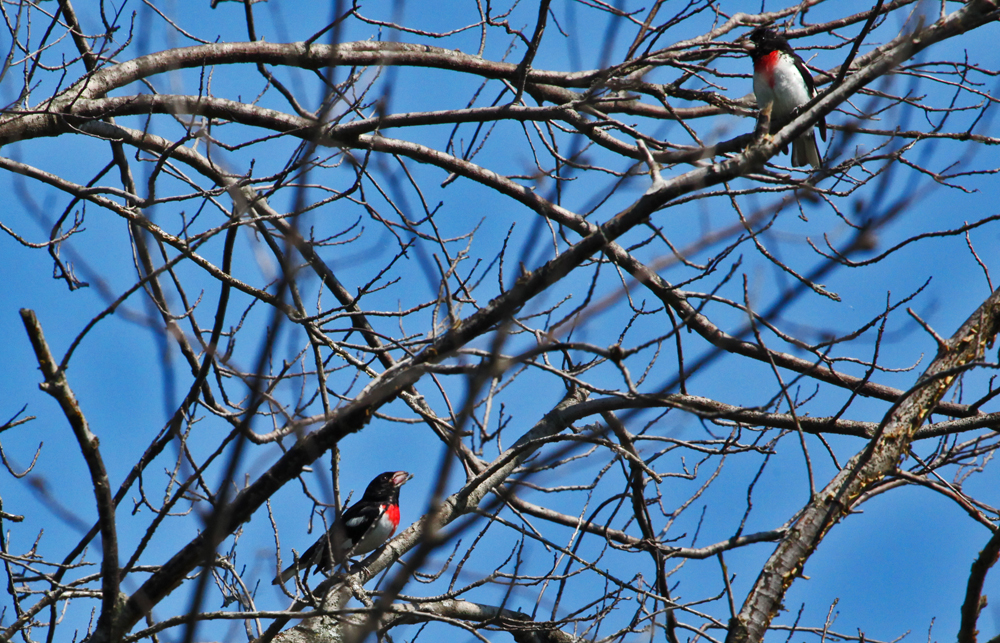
(941, 343)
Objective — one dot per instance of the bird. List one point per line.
(781, 78)
(362, 528)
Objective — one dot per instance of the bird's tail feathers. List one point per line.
(287, 574)
(319, 554)
(805, 151)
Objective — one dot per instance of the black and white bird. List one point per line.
(362, 528)
(781, 78)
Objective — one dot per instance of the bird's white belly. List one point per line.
(787, 93)
(379, 532)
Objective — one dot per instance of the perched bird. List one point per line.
(781, 78)
(362, 528)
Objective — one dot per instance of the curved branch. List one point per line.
(974, 599)
(863, 471)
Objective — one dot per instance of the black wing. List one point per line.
(359, 518)
(353, 524)
(811, 86)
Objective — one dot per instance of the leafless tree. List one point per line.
(644, 370)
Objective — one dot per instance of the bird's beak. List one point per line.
(747, 45)
(400, 478)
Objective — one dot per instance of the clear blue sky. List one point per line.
(900, 564)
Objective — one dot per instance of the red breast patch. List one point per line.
(392, 513)
(766, 64)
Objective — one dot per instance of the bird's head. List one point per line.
(386, 484)
(763, 40)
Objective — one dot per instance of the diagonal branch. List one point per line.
(974, 599)
(455, 506)
(57, 386)
(863, 471)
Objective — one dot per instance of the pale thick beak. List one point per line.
(401, 478)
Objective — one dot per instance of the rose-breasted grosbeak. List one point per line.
(781, 78)
(362, 528)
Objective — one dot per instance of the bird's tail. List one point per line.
(805, 151)
(284, 576)
(318, 554)
(289, 572)
(302, 563)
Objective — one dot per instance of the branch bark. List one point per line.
(862, 472)
(57, 386)
(974, 599)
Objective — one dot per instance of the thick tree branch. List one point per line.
(864, 470)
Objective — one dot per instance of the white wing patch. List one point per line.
(376, 535)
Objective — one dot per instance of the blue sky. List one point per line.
(897, 566)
